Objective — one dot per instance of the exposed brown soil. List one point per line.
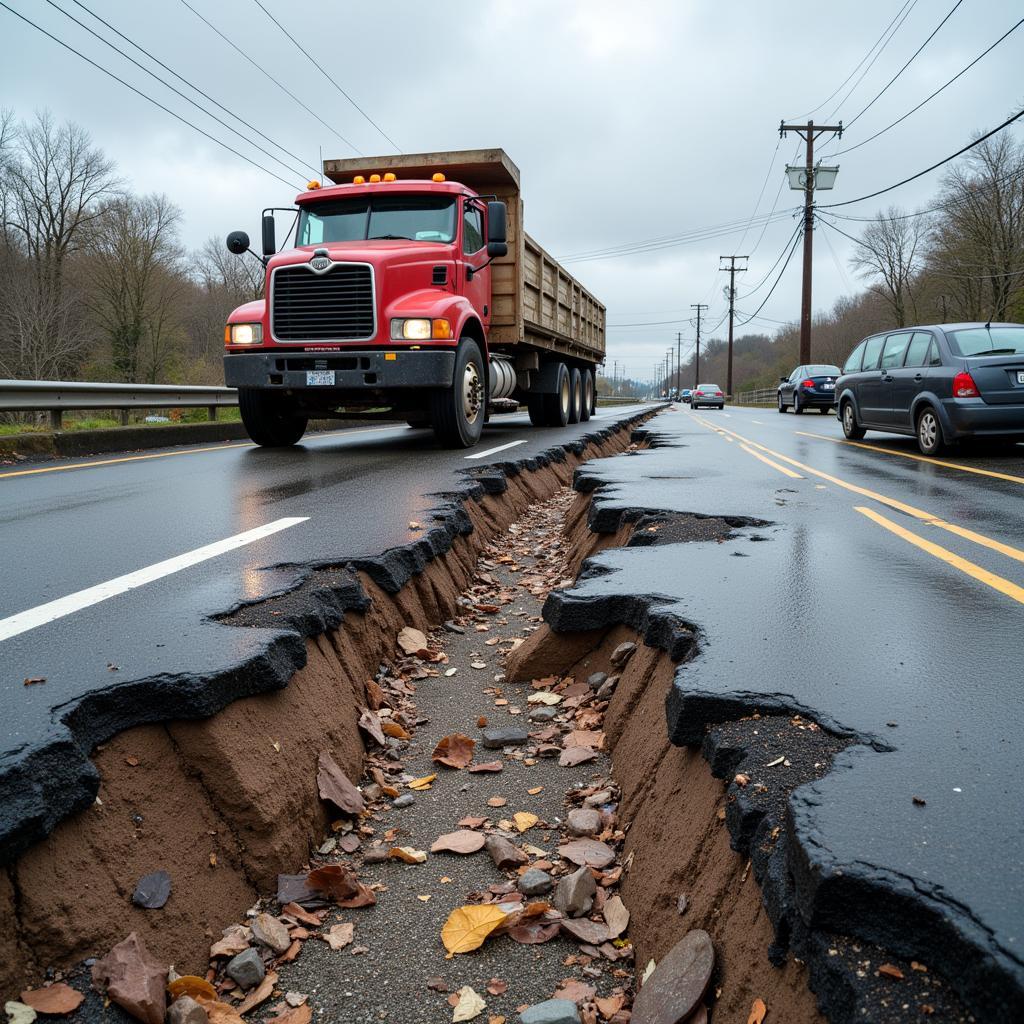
(678, 842)
(225, 803)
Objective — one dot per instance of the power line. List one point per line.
(760, 195)
(928, 99)
(913, 57)
(771, 269)
(196, 88)
(796, 242)
(320, 68)
(176, 91)
(263, 71)
(928, 170)
(145, 96)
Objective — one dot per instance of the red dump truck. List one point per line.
(412, 287)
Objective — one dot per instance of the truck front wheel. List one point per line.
(457, 413)
(270, 419)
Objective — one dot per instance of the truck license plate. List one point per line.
(319, 378)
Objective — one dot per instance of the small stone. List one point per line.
(270, 932)
(504, 853)
(681, 904)
(185, 1010)
(152, 891)
(375, 855)
(494, 739)
(246, 968)
(328, 846)
(454, 627)
(598, 799)
(596, 681)
(551, 1011)
(607, 689)
(372, 792)
(19, 1013)
(543, 714)
(584, 821)
(405, 800)
(135, 980)
(678, 982)
(574, 895)
(535, 882)
(622, 654)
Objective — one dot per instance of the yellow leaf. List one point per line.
(408, 854)
(423, 783)
(467, 927)
(423, 899)
(524, 820)
(394, 730)
(757, 1012)
(535, 790)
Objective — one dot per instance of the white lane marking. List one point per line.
(758, 422)
(32, 618)
(491, 451)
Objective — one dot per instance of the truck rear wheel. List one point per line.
(575, 395)
(457, 413)
(588, 396)
(557, 407)
(270, 419)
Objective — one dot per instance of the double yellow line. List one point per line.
(999, 583)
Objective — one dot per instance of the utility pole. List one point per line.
(679, 368)
(808, 132)
(732, 268)
(700, 307)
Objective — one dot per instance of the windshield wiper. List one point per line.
(375, 238)
(997, 352)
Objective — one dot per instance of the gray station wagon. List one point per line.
(941, 384)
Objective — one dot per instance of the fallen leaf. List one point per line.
(423, 899)
(449, 672)
(535, 790)
(524, 820)
(497, 987)
(757, 1012)
(481, 722)
(57, 998)
(132, 762)
(334, 786)
(467, 927)
(890, 971)
(591, 852)
(576, 755)
(395, 731)
(470, 821)
(258, 995)
(610, 1005)
(497, 801)
(340, 883)
(294, 910)
(411, 640)
(34, 680)
(575, 991)
(369, 722)
(422, 783)
(487, 766)
(221, 1013)
(407, 854)
(191, 985)
(340, 935)
(299, 1015)
(455, 750)
(437, 984)
(469, 1005)
(532, 933)
(463, 841)
(616, 916)
(544, 697)
(586, 930)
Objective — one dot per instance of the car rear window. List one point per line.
(708, 387)
(822, 370)
(986, 341)
(872, 350)
(852, 365)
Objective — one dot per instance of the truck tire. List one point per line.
(457, 413)
(575, 395)
(588, 395)
(557, 406)
(535, 406)
(270, 419)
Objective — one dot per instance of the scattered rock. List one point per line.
(596, 681)
(405, 800)
(375, 854)
(582, 928)
(622, 654)
(152, 891)
(185, 1010)
(246, 968)
(591, 852)
(135, 980)
(678, 983)
(607, 689)
(19, 1013)
(543, 714)
(584, 821)
(574, 895)
(597, 799)
(504, 853)
(682, 903)
(510, 737)
(269, 931)
(335, 786)
(454, 627)
(535, 882)
(551, 1011)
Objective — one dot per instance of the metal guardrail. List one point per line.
(760, 396)
(60, 396)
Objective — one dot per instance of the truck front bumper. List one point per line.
(353, 371)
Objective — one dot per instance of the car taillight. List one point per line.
(718, 394)
(699, 393)
(807, 383)
(964, 386)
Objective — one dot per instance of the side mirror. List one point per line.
(238, 243)
(783, 380)
(497, 229)
(269, 235)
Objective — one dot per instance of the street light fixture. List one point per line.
(824, 177)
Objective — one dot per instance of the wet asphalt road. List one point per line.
(883, 595)
(70, 525)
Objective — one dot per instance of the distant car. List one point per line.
(940, 384)
(809, 387)
(708, 395)
(686, 394)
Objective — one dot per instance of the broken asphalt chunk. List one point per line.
(495, 738)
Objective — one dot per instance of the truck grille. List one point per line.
(334, 306)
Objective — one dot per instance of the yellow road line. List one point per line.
(166, 455)
(919, 458)
(768, 462)
(900, 506)
(1004, 586)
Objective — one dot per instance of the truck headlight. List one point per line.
(246, 334)
(420, 329)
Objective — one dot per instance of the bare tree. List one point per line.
(890, 254)
(241, 278)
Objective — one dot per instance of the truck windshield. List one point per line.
(417, 218)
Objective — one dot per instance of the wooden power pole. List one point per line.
(808, 132)
(700, 307)
(732, 268)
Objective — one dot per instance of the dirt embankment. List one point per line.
(224, 804)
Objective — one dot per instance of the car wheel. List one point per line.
(929, 432)
(797, 407)
(850, 428)
(782, 405)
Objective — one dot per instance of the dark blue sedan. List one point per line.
(809, 387)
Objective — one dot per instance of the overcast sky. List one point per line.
(629, 121)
